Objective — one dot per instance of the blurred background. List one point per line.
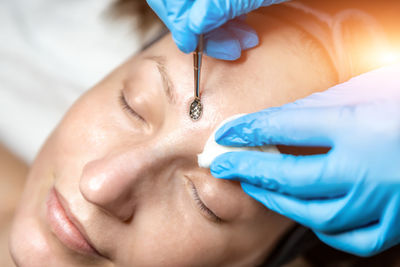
(53, 50)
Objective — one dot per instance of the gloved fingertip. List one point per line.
(186, 47)
(219, 134)
(247, 188)
(220, 167)
(222, 44)
(216, 171)
(245, 34)
(228, 135)
(219, 53)
(250, 41)
(256, 192)
(222, 137)
(186, 42)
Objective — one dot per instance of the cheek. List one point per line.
(89, 129)
(75, 140)
(168, 231)
(161, 240)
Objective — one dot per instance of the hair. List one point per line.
(136, 10)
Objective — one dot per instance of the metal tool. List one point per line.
(196, 107)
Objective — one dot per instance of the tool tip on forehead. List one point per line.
(195, 109)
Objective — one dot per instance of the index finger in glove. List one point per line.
(293, 126)
(300, 176)
(174, 14)
(178, 12)
(228, 41)
(207, 15)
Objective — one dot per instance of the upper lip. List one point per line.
(74, 220)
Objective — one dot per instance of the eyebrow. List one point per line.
(168, 86)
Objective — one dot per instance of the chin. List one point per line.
(28, 245)
(29, 242)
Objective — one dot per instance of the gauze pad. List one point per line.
(212, 149)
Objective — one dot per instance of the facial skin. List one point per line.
(128, 179)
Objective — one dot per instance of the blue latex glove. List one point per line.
(221, 20)
(350, 196)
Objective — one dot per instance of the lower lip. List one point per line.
(64, 229)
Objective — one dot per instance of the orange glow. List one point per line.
(388, 57)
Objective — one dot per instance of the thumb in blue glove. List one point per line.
(350, 196)
(222, 21)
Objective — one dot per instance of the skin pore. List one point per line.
(123, 159)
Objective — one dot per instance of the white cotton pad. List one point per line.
(212, 149)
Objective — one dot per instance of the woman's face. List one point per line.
(122, 163)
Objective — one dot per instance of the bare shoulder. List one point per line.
(12, 178)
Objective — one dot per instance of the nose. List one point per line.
(113, 182)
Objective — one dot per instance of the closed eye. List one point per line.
(202, 206)
(125, 106)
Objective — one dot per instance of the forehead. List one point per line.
(221, 84)
(276, 72)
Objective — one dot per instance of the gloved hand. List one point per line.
(350, 196)
(225, 38)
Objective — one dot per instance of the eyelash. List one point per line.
(196, 196)
(203, 207)
(125, 106)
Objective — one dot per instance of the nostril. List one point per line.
(96, 184)
(100, 191)
(128, 217)
(100, 188)
(108, 189)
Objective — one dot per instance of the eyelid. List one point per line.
(201, 204)
(125, 106)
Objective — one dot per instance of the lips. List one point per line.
(65, 227)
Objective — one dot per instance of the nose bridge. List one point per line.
(112, 182)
